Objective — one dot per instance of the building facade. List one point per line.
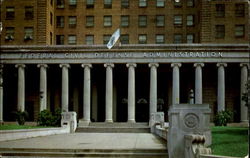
(53, 55)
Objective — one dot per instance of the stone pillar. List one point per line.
(65, 87)
(243, 89)
(221, 87)
(109, 92)
(1, 94)
(131, 92)
(21, 87)
(198, 82)
(43, 86)
(153, 88)
(86, 92)
(176, 83)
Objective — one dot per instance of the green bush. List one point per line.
(21, 117)
(46, 118)
(223, 117)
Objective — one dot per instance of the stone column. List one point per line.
(65, 87)
(109, 92)
(221, 87)
(153, 88)
(198, 82)
(176, 83)
(21, 87)
(86, 92)
(43, 86)
(131, 92)
(1, 94)
(243, 82)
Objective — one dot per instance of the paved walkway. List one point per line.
(90, 141)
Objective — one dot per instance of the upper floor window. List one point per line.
(178, 20)
(72, 39)
(177, 38)
(142, 39)
(107, 21)
(51, 18)
(142, 3)
(90, 3)
(178, 3)
(72, 21)
(106, 39)
(10, 31)
(124, 3)
(239, 30)
(239, 10)
(10, 12)
(60, 3)
(51, 2)
(89, 39)
(124, 39)
(159, 39)
(190, 20)
(59, 39)
(124, 20)
(28, 33)
(107, 3)
(160, 3)
(220, 31)
(89, 21)
(160, 20)
(142, 20)
(60, 21)
(72, 3)
(190, 38)
(29, 12)
(220, 10)
(190, 3)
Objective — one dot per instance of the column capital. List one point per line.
(131, 65)
(64, 65)
(199, 64)
(109, 65)
(244, 64)
(153, 65)
(176, 64)
(20, 65)
(221, 64)
(42, 65)
(86, 65)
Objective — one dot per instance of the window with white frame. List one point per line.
(190, 38)
(142, 20)
(160, 3)
(124, 3)
(159, 39)
(72, 39)
(178, 20)
(160, 20)
(107, 3)
(177, 38)
(72, 2)
(10, 31)
(125, 20)
(190, 20)
(89, 39)
(90, 21)
(142, 39)
(239, 30)
(28, 33)
(107, 21)
(90, 3)
(142, 3)
(72, 21)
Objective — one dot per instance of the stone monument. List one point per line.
(69, 119)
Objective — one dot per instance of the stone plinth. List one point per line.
(69, 119)
(186, 119)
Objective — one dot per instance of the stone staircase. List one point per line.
(102, 127)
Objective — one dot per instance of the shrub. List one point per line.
(21, 117)
(223, 117)
(46, 118)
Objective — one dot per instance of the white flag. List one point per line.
(113, 39)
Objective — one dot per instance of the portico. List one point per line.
(111, 83)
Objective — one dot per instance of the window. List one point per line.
(190, 38)
(239, 10)
(60, 21)
(220, 31)
(125, 4)
(10, 13)
(51, 2)
(51, 18)
(159, 39)
(106, 39)
(29, 12)
(51, 38)
(190, 20)
(59, 39)
(142, 3)
(10, 31)
(142, 20)
(142, 39)
(178, 20)
(239, 30)
(107, 21)
(89, 21)
(89, 39)
(160, 20)
(177, 38)
(60, 3)
(72, 21)
(124, 39)
(220, 10)
(160, 3)
(177, 3)
(190, 3)
(124, 20)
(107, 3)
(72, 39)
(72, 3)
(28, 33)
(90, 4)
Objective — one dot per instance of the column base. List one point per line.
(109, 121)
(131, 121)
(83, 123)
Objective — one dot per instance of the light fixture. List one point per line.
(177, 1)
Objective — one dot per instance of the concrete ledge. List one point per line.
(162, 132)
(6, 135)
(215, 156)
